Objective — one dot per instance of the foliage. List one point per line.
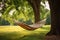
(3, 22)
(43, 11)
(22, 10)
(48, 21)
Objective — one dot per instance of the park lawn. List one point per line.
(18, 33)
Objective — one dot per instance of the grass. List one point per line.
(18, 33)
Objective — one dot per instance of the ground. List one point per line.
(18, 33)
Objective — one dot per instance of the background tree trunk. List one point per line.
(36, 7)
(55, 20)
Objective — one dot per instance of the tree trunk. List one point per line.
(36, 7)
(55, 20)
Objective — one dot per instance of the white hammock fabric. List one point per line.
(38, 24)
(31, 27)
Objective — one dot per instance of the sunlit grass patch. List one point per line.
(18, 33)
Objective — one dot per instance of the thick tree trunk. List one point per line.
(55, 20)
(55, 17)
(36, 7)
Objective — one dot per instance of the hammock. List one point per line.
(31, 27)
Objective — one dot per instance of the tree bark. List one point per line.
(36, 7)
(55, 17)
(54, 33)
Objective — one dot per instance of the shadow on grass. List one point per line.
(19, 36)
(34, 37)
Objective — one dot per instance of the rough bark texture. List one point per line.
(36, 7)
(55, 20)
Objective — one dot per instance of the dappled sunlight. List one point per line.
(19, 29)
(9, 28)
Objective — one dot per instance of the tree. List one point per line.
(36, 6)
(54, 33)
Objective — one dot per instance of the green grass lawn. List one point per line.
(18, 33)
